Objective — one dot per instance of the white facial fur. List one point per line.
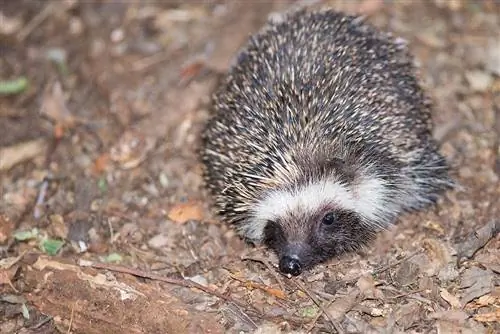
(368, 197)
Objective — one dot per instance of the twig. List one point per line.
(41, 323)
(335, 324)
(71, 319)
(316, 318)
(41, 198)
(180, 282)
(269, 267)
(394, 264)
(35, 22)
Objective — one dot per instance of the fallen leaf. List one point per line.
(488, 317)
(487, 300)
(476, 282)
(131, 149)
(479, 81)
(477, 239)
(342, 305)
(438, 254)
(100, 164)
(183, 212)
(191, 70)
(366, 285)
(15, 86)
(26, 235)
(309, 311)
(254, 285)
(450, 299)
(12, 155)
(58, 227)
(457, 316)
(113, 257)
(54, 107)
(7, 274)
(51, 246)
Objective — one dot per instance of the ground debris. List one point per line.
(477, 239)
(98, 303)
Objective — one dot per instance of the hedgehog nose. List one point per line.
(290, 265)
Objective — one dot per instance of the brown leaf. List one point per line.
(100, 164)
(342, 305)
(131, 149)
(437, 253)
(58, 227)
(7, 274)
(457, 316)
(450, 299)
(12, 155)
(478, 239)
(366, 285)
(254, 285)
(488, 317)
(54, 107)
(476, 282)
(183, 212)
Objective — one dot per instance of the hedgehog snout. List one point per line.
(290, 265)
(292, 259)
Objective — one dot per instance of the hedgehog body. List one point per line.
(321, 136)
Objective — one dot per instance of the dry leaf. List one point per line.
(451, 299)
(131, 149)
(7, 274)
(476, 283)
(457, 316)
(58, 227)
(183, 212)
(342, 305)
(438, 254)
(478, 239)
(366, 285)
(100, 164)
(12, 155)
(254, 285)
(54, 107)
(488, 317)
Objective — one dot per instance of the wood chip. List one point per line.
(15, 154)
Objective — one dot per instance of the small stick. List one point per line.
(35, 22)
(180, 282)
(269, 267)
(335, 324)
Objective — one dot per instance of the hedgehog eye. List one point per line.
(329, 218)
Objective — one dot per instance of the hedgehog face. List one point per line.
(302, 240)
(310, 224)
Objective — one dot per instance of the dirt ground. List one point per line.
(104, 223)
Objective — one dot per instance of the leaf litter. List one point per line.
(137, 71)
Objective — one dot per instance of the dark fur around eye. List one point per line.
(329, 218)
(274, 237)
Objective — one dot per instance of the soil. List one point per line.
(104, 222)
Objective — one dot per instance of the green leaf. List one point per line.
(51, 246)
(13, 86)
(103, 185)
(113, 257)
(26, 235)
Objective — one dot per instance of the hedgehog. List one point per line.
(320, 136)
